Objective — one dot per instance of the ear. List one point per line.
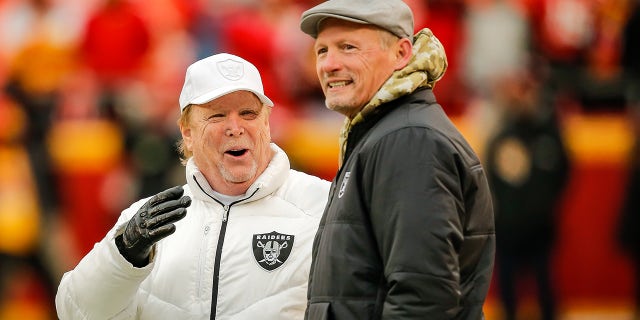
(403, 52)
(267, 110)
(186, 136)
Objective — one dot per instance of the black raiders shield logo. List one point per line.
(272, 249)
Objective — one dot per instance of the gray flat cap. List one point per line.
(394, 16)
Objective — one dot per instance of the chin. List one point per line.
(239, 175)
(238, 178)
(340, 108)
(333, 104)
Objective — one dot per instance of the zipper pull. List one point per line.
(225, 214)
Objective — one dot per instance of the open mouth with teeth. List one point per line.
(236, 153)
(338, 84)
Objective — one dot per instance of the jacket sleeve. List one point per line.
(416, 208)
(103, 285)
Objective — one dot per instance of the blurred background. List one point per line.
(89, 104)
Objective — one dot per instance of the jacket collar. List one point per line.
(268, 182)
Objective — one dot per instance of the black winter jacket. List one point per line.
(408, 232)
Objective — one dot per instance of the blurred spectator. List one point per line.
(115, 43)
(119, 46)
(112, 51)
(600, 86)
(497, 39)
(35, 75)
(23, 225)
(38, 65)
(496, 35)
(563, 30)
(85, 148)
(528, 169)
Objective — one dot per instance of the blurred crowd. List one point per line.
(88, 105)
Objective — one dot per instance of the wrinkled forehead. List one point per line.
(339, 25)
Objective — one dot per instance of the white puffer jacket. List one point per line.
(252, 257)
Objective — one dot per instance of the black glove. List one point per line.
(153, 221)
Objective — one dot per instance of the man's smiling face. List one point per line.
(352, 64)
(230, 138)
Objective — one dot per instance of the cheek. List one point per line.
(261, 138)
(319, 75)
(206, 135)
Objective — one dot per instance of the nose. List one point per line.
(328, 63)
(234, 127)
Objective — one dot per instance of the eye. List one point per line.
(348, 47)
(321, 51)
(215, 117)
(249, 114)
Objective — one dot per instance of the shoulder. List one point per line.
(420, 129)
(305, 191)
(412, 123)
(303, 185)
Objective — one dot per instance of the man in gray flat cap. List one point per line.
(408, 232)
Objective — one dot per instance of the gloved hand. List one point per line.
(153, 221)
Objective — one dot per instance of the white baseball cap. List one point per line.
(217, 75)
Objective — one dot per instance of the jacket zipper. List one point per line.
(223, 230)
(216, 265)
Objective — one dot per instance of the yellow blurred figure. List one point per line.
(19, 208)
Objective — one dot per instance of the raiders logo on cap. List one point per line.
(232, 70)
(271, 250)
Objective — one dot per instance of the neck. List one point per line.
(233, 189)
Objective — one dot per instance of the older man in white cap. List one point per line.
(408, 232)
(233, 243)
